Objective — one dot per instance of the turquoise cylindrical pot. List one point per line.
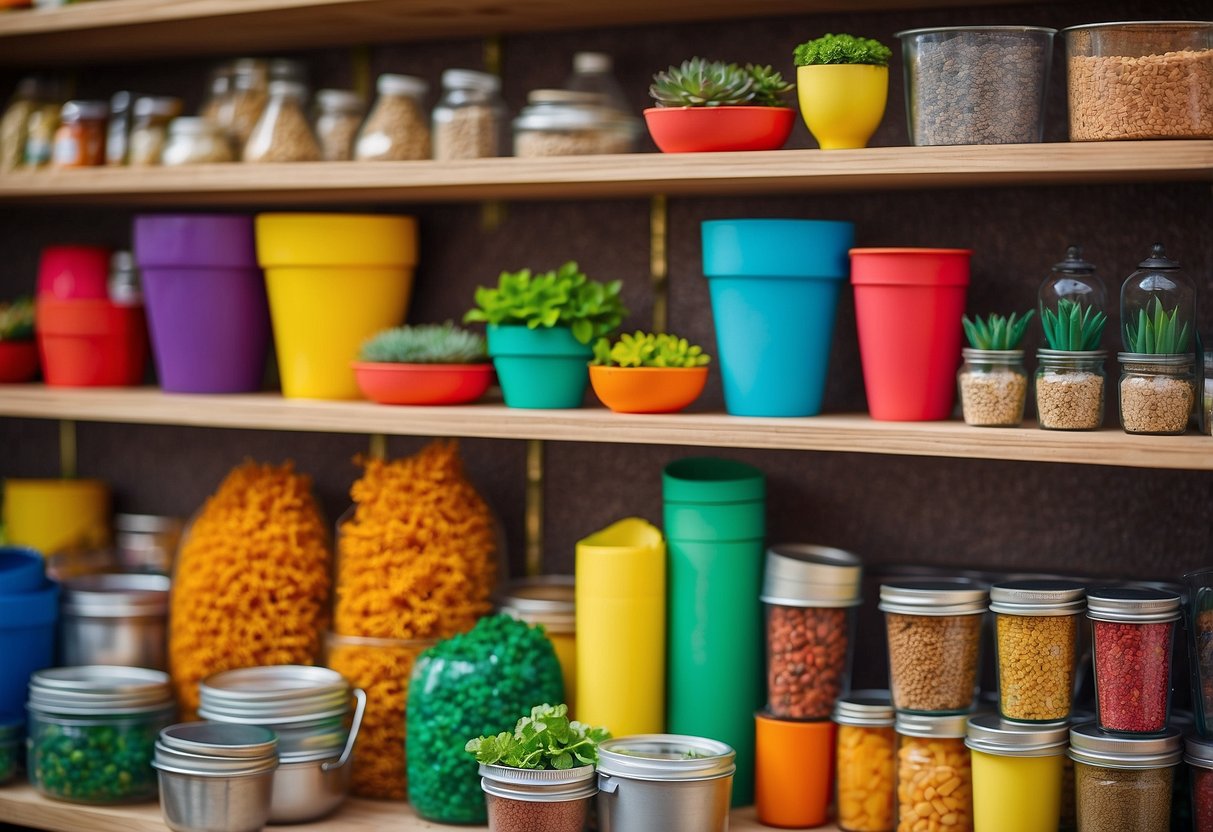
(545, 368)
(774, 286)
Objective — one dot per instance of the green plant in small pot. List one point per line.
(540, 777)
(540, 327)
(843, 86)
(648, 373)
(18, 350)
(707, 105)
(428, 364)
(993, 383)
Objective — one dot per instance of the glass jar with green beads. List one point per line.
(1070, 378)
(993, 382)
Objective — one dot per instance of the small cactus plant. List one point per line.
(425, 344)
(1073, 327)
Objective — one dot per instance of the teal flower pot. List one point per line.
(545, 369)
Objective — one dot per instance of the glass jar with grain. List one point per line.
(149, 133)
(80, 139)
(242, 109)
(195, 141)
(567, 123)
(865, 762)
(218, 93)
(469, 117)
(396, 129)
(283, 133)
(1123, 783)
(1036, 625)
(934, 773)
(1017, 774)
(14, 123)
(338, 116)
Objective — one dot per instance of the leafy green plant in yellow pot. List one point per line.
(843, 85)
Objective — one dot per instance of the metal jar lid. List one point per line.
(865, 708)
(942, 726)
(116, 596)
(305, 706)
(803, 575)
(546, 600)
(664, 757)
(96, 690)
(1037, 598)
(937, 597)
(1133, 604)
(147, 524)
(219, 739)
(270, 720)
(539, 785)
(1199, 752)
(1094, 747)
(993, 735)
(275, 683)
(200, 765)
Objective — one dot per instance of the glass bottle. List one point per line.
(150, 131)
(243, 108)
(1071, 289)
(283, 134)
(80, 139)
(396, 129)
(123, 285)
(193, 141)
(468, 119)
(14, 123)
(218, 93)
(118, 132)
(993, 387)
(1157, 305)
(1070, 389)
(338, 116)
(593, 73)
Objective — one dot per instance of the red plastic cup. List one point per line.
(74, 272)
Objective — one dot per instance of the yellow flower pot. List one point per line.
(842, 104)
(56, 515)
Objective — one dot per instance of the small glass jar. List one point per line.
(243, 108)
(124, 289)
(993, 387)
(15, 122)
(1157, 307)
(283, 134)
(934, 633)
(92, 731)
(1123, 783)
(565, 123)
(934, 773)
(80, 139)
(195, 141)
(1157, 393)
(338, 117)
(1017, 774)
(1133, 632)
(118, 131)
(469, 118)
(1070, 389)
(12, 747)
(1199, 758)
(530, 800)
(218, 93)
(1036, 625)
(549, 600)
(396, 129)
(40, 135)
(811, 594)
(1072, 293)
(149, 134)
(865, 762)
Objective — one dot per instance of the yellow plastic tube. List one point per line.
(1016, 794)
(56, 515)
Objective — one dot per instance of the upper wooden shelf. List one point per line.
(631, 175)
(850, 433)
(126, 30)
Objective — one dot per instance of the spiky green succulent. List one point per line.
(644, 349)
(699, 82)
(1072, 326)
(1156, 331)
(425, 344)
(996, 332)
(17, 320)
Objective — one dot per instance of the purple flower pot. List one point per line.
(206, 303)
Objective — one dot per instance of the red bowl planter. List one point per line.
(648, 389)
(18, 361)
(704, 129)
(90, 343)
(422, 384)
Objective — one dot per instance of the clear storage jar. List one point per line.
(1036, 626)
(149, 131)
(396, 129)
(1199, 757)
(1123, 783)
(1070, 389)
(14, 123)
(118, 129)
(865, 762)
(1017, 774)
(1158, 307)
(1157, 393)
(80, 138)
(1133, 633)
(470, 116)
(283, 134)
(934, 636)
(242, 109)
(195, 141)
(40, 130)
(934, 773)
(219, 92)
(566, 123)
(993, 387)
(338, 117)
(529, 800)
(1073, 294)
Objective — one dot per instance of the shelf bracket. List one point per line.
(659, 264)
(67, 449)
(361, 81)
(534, 507)
(492, 212)
(378, 448)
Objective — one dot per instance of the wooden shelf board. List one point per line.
(128, 30)
(848, 433)
(631, 175)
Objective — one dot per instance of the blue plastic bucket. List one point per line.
(27, 643)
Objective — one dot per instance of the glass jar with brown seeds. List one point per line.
(396, 129)
(1124, 783)
(338, 116)
(283, 134)
(468, 119)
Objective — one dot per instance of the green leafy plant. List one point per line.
(699, 82)
(1154, 332)
(17, 320)
(547, 739)
(644, 349)
(425, 344)
(996, 332)
(1073, 327)
(562, 297)
(842, 49)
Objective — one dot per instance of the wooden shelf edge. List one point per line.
(847, 433)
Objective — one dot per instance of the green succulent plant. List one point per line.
(17, 320)
(842, 49)
(1072, 326)
(699, 82)
(644, 349)
(1155, 333)
(561, 297)
(547, 739)
(425, 344)
(996, 332)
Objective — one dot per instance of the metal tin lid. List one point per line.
(803, 575)
(470, 79)
(91, 690)
(945, 726)
(993, 735)
(547, 599)
(1133, 604)
(299, 721)
(219, 739)
(1090, 745)
(662, 757)
(389, 84)
(1177, 359)
(939, 597)
(205, 765)
(273, 683)
(1037, 598)
(973, 30)
(1199, 752)
(868, 708)
(345, 101)
(539, 785)
(116, 596)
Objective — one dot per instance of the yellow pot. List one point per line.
(333, 281)
(56, 515)
(842, 104)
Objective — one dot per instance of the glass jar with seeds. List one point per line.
(14, 123)
(242, 109)
(1036, 640)
(218, 92)
(992, 381)
(566, 123)
(283, 134)
(195, 141)
(397, 129)
(149, 132)
(1124, 783)
(1070, 378)
(469, 117)
(338, 117)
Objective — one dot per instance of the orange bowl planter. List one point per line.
(422, 384)
(706, 129)
(648, 389)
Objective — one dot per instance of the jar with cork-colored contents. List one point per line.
(283, 133)
(934, 773)
(397, 129)
(934, 633)
(338, 117)
(866, 756)
(240, 111)
(1133, 631)
(1070, 378)
(1036, 625)
(195, 141)
(149, 132)
(1017, 774)
(549, 600)
(470, 116)
(1123, 783)
(567, 123)
(80, 139)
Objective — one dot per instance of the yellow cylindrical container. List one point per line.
(333, 281)
(1017, 774)
(57, 515)
(621, 588)
(548, 600)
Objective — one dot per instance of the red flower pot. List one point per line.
(74, 272)
(422, 384)
(704, 129)
(90, 343)
(18, 361)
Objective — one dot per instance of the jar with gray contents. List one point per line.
(469, 117)
(397, 129)
(338, 117)
(566, 123)
(149, 131)
(283, 133)
(1124, 782)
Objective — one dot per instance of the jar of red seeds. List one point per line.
(1199, 758)
(1133, 630)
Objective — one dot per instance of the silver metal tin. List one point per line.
(660, 790)
(1199, 752)
(990, 734)
(215, 803)
(272, 684)
(1094, 747)
(1131, 604)
(308, 787)
(664, 757)
(949, 726)
(546, 599)
(804, 575)
(938, 597)
(87, 690)
(206, 765)
(865, 708)
(539, 785)
(1038, 598)
(115, 620)
(116, 596)
(220, 739)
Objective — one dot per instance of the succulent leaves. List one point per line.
(997, 332)
(646, 349)
(699, 82)
(1155, 331)
(1072, 326)
(425, 344)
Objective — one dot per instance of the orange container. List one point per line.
(648, 389)
(793, 771)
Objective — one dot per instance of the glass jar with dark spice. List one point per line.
(538, 800)
(1036, 625)
(1199, 758)
(1123, 783)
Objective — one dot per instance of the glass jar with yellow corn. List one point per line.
(934, 776)
(866, 751)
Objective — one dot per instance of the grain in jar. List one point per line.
(566, 123)
(80, 139)
(1036, 626)
(397, 129)
(242, 109)
(934, 632)
(934, 774)
(1017, 774)
(1123, 783)
(195, 141)
(338, 117)
(149, 133)
(218, 92)
(15, 121)
(469, 117)
(993, 387)
(1070, 389)
(549, 600)
(40, 130)
(283, 134)
(865, 762)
